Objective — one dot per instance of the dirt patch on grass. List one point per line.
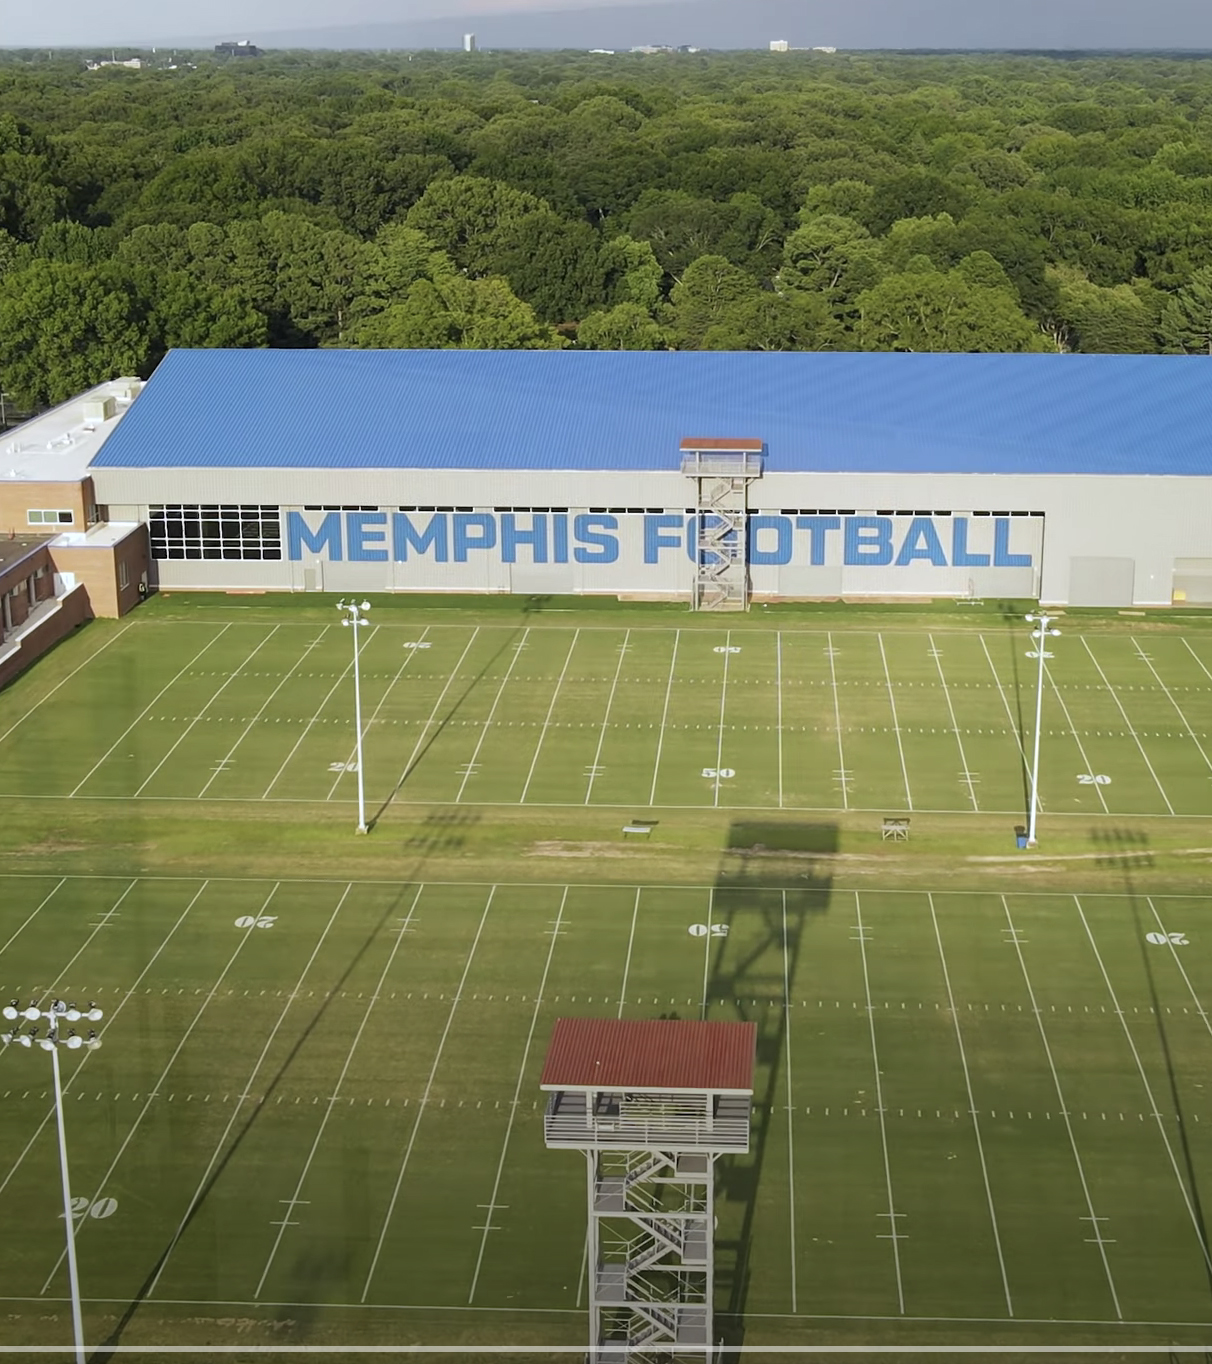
(557, 848)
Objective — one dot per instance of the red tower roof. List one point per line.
(657, 1054)
(692, 443)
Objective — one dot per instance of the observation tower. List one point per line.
(652, 1104)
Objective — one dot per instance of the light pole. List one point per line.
(1041, 635)
(355, 615)
(57, 1013)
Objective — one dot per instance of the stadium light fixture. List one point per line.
(355, 615)
(58, 1013)
(1041, 635)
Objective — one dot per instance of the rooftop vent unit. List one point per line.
(100, 409)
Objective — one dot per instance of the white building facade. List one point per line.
(545, 473)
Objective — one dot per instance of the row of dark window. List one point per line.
(181, 531)
(847, 511)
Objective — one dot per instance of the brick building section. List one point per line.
(48, 587)
(108, 563)
(18, 497)
(27, 588)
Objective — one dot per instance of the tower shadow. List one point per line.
(771, 882)
(1128, 851)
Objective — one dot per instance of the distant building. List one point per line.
(601, 51)
(779, 45)
(824, 49)
(134, 63)
(469, 42)
(241, 49)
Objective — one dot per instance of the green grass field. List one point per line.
(980, 1111)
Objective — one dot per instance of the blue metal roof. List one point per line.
(611, 410)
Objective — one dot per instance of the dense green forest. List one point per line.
(711, 201)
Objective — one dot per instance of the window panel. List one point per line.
(223, 531)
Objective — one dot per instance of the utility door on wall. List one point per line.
(1192, 581)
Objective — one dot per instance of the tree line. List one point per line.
(713, 201)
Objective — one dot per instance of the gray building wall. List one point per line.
(1135, 527)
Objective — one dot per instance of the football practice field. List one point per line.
(983, 1098)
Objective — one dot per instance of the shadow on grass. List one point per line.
(769, 887)
(314, 1268)
(435, 733)
(1128, 850)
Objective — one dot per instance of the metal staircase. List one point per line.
(650, 1252)
(722, 471)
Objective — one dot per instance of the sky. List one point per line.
(69, 23)
(848, 23)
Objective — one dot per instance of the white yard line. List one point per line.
(976, 1127)
(1096, 1237)
(154, 1092)
(1077, 739)
(892, 1213)
(719, 748)
(437, 705)
(1199, 1008)
(315, 718)
(43, 699)
(145, 709)
(656, 767)
(967, 771)
(353, 750)
(1189, 649)
(223, 687)
(487, 724)
(597, 756)
(538, 748)
(231, 752)
(1144, 1079)
(416, 1123)
(1128, 723)
(335, 1096)
(896, 724)
(198, 1192)
(790, 1113)
(33, 915)
(1144, 657)
(109, 1022)
(837, 724)
(1001, 691)
(635, 911)
(707, 948)
(517, 1098)
(778, 681)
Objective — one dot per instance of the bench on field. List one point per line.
(639, 826)
(896, 830)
